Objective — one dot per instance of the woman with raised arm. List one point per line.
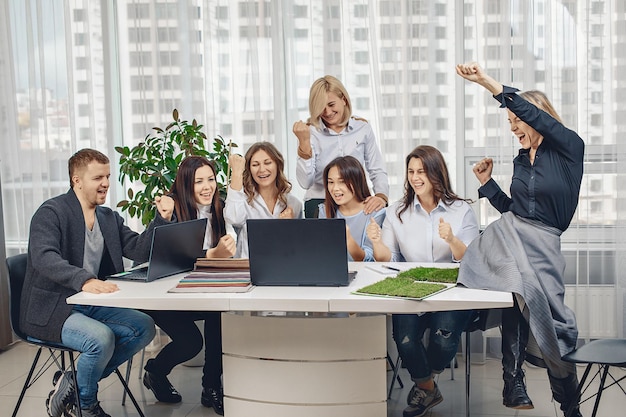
(431, 224)
(193, 195)
(258, 189)
(521, 252)
(332, 131)
(346, 191)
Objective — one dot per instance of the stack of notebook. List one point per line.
(216, 275)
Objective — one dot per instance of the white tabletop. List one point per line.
(154, 296)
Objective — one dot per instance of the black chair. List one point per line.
(56, 352)
(604, 353)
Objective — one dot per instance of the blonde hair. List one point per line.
(540, 100)
(318, 98)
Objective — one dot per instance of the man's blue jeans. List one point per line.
(443, 341)
(106, 337)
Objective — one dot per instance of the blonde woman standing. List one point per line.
(331, 131)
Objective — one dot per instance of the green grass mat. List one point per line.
(402, 287)
(447, 275)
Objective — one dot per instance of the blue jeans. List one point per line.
(106, 337)
(443, 341)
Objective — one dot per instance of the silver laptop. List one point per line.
(298, 252)
(175, 248)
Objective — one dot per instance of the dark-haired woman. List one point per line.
(430, 224)
(346, 192)
(193, 195)
(521, 251)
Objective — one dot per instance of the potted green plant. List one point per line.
(151, 166)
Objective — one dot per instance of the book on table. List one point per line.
(222, 263)
(216, 275)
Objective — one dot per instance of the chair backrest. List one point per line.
(17, 272)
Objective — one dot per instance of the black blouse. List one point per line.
(548, 189)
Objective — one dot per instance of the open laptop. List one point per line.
(298, 252)
(175, 248)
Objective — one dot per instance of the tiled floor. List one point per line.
(486, 385)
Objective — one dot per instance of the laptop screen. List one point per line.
(306, 252)
(175, 248)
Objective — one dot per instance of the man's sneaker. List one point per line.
(61, 396)
(421, 401)
(56, 376)
(212, 397)
(95, 411)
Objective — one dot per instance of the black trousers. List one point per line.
(187, 342)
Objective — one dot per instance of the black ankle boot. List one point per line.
(563, 391)
(514, 340)
(213, 397)
(160, 385)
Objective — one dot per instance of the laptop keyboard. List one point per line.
(140, 273)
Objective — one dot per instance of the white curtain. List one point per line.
(98, 73)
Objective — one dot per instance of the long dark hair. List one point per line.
(185, 204)
(351, 170)
(283, 186)
(437, 172)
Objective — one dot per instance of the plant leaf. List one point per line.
(154, 162)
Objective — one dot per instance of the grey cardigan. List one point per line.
(55, 257)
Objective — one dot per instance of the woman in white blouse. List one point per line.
(431, 224)
(258, 189)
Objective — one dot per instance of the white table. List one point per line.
(303, 351)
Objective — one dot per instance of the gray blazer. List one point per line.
(56, 247)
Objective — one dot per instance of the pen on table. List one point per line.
(391, 267)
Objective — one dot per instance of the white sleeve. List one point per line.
(296, 205)
(375, 165)
(305, 171)
(236, 208)
(390, 239)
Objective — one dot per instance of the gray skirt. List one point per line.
(524, 257)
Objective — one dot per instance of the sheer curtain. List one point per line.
(54, 102)
(98, 73)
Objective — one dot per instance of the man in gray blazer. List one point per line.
(74, 242)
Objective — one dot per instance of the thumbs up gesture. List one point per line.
(445, 230)
(374, 232)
